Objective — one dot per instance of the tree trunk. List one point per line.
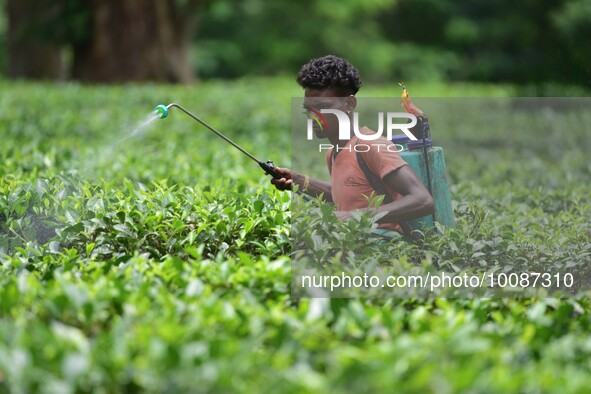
(136, 40)
(31, 54)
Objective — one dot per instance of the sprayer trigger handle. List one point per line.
(269, 168)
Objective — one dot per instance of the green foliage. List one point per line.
(573, 23)
(413, 40)
(3, 30)
(65, 22)
(491, 40)
(254, 37)
(158, 259)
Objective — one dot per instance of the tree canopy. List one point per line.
(524, 42)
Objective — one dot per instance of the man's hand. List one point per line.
(310, 186)
(285, 183)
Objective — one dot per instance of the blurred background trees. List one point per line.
(515, 41)
(100, 40)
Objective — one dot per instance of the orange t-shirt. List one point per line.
(349, 188)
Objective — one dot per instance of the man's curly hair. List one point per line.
(330, 72)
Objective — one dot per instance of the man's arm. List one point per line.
(416, 200)
(310, 186)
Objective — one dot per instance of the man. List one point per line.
(331, 82)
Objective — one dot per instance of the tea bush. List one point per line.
(159, 259)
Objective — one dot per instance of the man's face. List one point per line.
(315, 100)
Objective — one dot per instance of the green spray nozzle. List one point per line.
(162, 110)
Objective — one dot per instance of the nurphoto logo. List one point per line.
(345, 124)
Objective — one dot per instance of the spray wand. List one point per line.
(268, 165)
